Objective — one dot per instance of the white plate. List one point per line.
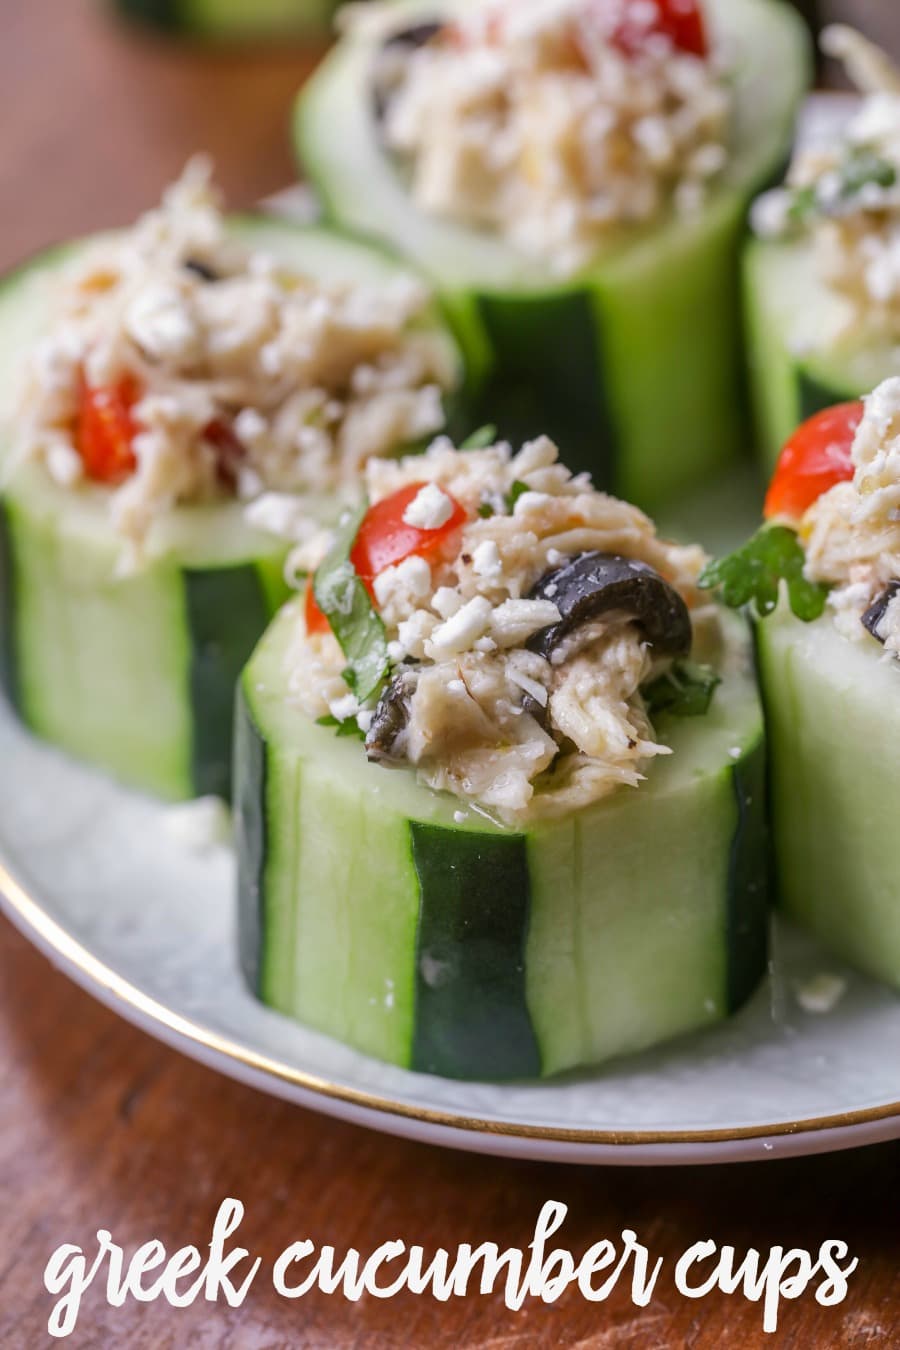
(93, 875)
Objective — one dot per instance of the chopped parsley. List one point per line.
(862, 168)
(349, 727)
(480, 439)
(686, 690)
(515, 492)
(753, 573)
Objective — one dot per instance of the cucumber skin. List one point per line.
(471, 1018)
(225, 611)
(251, 838)
(559, 395)
(749, 880)
(474, 903)
(218, 655)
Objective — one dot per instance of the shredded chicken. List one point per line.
(500, 725)
(845, 194)
(303, 380)
(852, 532)
(527, 118)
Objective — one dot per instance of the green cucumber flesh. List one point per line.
(137, 673)
(833, 710)
(386, 916)
(643, 388)
(798, 364)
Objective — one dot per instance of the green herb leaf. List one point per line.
(480, 439)
(686, 690)
(344, 600)
(485, 510)
(515, 492)
(803, 206)
(864, 167)
(751, 575)
(349, 727)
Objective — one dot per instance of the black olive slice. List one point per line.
(591, 585)
(391, 716)
(873, 616)
(201, 269)
(410, 38)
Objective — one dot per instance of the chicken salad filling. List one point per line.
(851, 533)
(843, 194)
(184, 365)
(524, 628)
(558, 125)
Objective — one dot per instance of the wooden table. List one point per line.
(100, 1127)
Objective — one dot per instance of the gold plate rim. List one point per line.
(123, 996)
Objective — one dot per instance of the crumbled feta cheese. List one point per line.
(446, 601)
(461, 629)
(486, 559)
(343, 708)
(409, 580)
(515, 621)
(161, 325)
(429, 509)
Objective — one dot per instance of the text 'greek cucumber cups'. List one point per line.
(574, 176)
(822, 276)
(824, 578)
(499, 778)
(190, 388)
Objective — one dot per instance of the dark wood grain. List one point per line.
(102, 1127)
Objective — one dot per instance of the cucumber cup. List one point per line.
(134, 669)
(435, 932)
(821, 575)
(822, 299)
(633, 363)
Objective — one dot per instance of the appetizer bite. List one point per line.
(499, 778)
(186, 385)
(823, 576)
(574, 176)
(822, 276)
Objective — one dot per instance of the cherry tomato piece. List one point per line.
(315, 619)
(105, 430)
(817, 456)
(385, 539)
(681, 21)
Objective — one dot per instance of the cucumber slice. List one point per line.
(137, 673)
(234, 18)
(797, 367)
(834, 727)
(378, 912)
(634, 366)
